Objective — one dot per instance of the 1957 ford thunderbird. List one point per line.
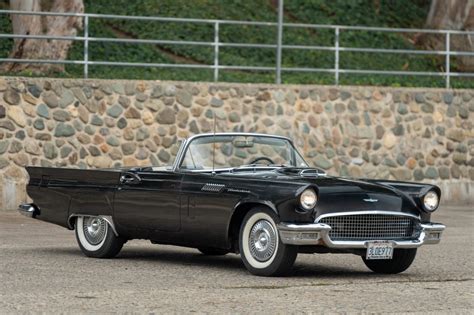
(244, 193)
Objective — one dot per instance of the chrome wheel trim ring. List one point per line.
(245, 234)
(95, 230)
(262, 240)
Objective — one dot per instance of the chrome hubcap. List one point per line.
(262, 240)
(94, 229)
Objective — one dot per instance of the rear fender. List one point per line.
(72, 220)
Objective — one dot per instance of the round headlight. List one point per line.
(308, 199)
(431, 201)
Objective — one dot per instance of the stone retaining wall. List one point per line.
(404, 134)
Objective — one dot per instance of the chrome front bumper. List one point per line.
(318, 234)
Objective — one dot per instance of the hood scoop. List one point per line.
(303, 172)
(312, 172)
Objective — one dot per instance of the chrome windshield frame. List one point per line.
(185, 144)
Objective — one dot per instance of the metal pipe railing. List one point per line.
(216, 44)
(336, 55)
(448, 59)
(86, 47)
(279, 41)
(216, 51)
(256, 23)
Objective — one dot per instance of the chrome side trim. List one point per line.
(337, 214)
(107, 218)
(318, 234)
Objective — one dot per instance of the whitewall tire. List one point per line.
(260, 246)
(96, 238)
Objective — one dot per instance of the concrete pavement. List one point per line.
(43, 270)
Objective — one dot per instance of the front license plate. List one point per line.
(379, 250)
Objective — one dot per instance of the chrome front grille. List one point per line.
(360, 227)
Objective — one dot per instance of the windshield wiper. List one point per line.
(281, 165)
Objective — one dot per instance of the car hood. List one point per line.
(338, 194)
(343, 194)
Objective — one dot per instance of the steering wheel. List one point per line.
(262, 158)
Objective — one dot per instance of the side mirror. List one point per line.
(130, 179)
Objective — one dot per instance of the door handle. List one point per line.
(130, 179)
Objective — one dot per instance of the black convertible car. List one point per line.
(244, 193)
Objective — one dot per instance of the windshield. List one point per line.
(233, 151)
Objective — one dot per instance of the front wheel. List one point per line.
(261, 249)
(96, 238)
(402, 259)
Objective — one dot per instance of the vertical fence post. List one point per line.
(86, 46)
(448, 58)
(216, 51)
(336, 55)
(279, 41)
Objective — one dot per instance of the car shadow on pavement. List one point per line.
(189, 257)
(57, 251)
(318, 270)
(229, 261)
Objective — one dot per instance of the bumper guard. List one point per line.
(29, 210)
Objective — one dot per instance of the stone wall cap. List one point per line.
(233, 84)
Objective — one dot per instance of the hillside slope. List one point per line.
(385, 13)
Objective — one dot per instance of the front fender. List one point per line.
(252, 202)
(238, 213)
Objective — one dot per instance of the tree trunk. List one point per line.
(451, 15)
(24, 25)
(42, 25)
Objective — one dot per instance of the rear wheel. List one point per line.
(261, 249)
(96, 238)
(402, 259)
(212, 251)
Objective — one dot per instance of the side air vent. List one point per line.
(216, 188)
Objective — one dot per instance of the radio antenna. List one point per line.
(214, 144)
